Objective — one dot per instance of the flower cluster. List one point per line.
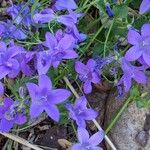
(53, 50)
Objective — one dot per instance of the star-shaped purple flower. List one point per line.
(86, 142)
(80, 113)
(9, 115)
(131, 72)
(87, 74)
(7, 30)
(9, 65)
(60, 49)
(44, 98)
(145, 6)
(141, 44)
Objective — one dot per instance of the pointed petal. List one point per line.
(6, 125)
(20, 119)
(87, 87)
(53, 112)
(80, 102)
(90, 114)
(145, 6)
(70, 54)
(91, 64)
(59, 95)
(3, 72)
(80, 67)
(140, 77)
(32, 89)
(45, 82)
(127, 82)
(145, 30)
(133, 37)
(35, 110)
(76, 147)
(95, 78)
(83, 135)
(146, 57)
(133, 53)
(96, 138)
(2, 47)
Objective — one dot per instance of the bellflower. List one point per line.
(7, 30)
(1, 89)
(59, 50)
(86, 142)
(87, 74)
(9, 65)
(9, 115)
(24, 17)
(63, 4)
(26, 58)
(43, 62)
(44, 98)
(141, 44)
(109, 11)
(48, 15)
(131, 72)
(80, 113)
(145, 6)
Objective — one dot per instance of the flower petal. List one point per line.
(80, 102)
(45, 82)
(59, 95)
(35, 110)
(145, 6)
(127, 82)
(83, 135)
(146, 57)
(70, 54)
(145, 30)
(97, 138)
(1, 89)
(90, 114)
(53, 112)
(140, 77)
(2, 47)
(87, 87)
(32, 88)
(133, 53)
(133, 37)
(76, 147)
(20, 119)
(6, 125)
(80, 67)
(95, 78)
(91, 64)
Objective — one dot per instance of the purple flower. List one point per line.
(63, 4)
(9, 65)
(109, 11)
(24, 17)
(43, 62)
(86, 142)
(141, 44)
(48, 15)
(25, 63)
(44, 98)
(131, 72)
(87, 74)
(7, 30)
(59, 50)
(145, 6)
(80, 113)
(1, 89)
(9, 115)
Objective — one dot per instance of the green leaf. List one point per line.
(120, 11)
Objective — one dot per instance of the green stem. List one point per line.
(113, 122)
(105, 44)
(100, 29)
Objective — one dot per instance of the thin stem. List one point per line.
(20, 140)
(107, 36)
(118, 115)
(94, 121)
